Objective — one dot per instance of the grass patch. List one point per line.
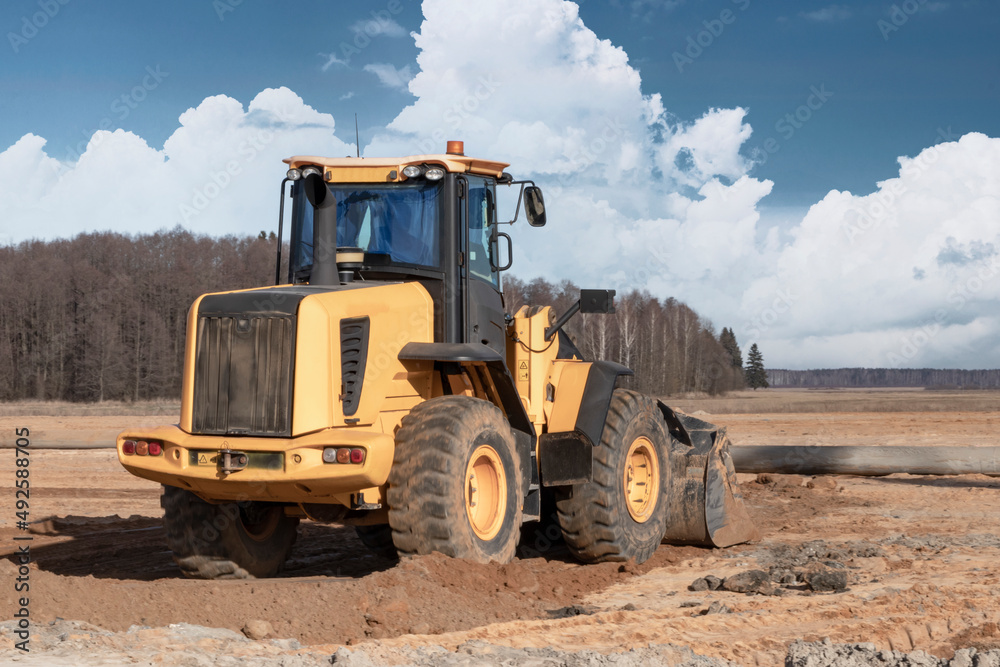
(840, 400)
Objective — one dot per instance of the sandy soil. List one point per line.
(920, 555)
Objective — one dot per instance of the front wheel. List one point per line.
(378, 539)
(226, 541)
(455, 485)
(621, 514)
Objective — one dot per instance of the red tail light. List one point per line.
(357, 456)
(155, 449)
(128, 447)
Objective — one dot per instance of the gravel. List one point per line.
(828, 654)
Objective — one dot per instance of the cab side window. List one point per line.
(481, 231)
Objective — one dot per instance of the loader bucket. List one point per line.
(705, 506)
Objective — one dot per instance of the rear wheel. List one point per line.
(621, 514)
(455, 483)
(226, 541)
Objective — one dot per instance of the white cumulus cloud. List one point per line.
(908, 275)
(389, 75)
(383, 25)
(214, 174)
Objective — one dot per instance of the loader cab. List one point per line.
(430, 219)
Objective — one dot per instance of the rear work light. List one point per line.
(128, 447)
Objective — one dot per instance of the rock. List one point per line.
(690, 603)
(822, 482)
(825, 578)
(420, 629)
(751, 581)
(715, 608)
(699, 585)
(257, 629)
(820, 654)
(714, 583)
(963, 658)
(570, 611)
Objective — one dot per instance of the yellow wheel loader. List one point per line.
(381, 383)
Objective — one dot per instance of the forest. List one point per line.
(102, 317)
(947, 378)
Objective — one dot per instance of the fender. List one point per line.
(566, 457)
(473, 354)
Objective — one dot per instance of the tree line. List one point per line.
(947, 378)
(103, 316)
(669, 346)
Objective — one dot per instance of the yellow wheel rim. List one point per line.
(642, 479)
(485, 492)
(262, 529)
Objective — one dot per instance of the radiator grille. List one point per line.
(353, 355)
(243, 375)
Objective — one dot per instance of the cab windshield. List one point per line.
(400, 221)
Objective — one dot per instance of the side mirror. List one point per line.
(534, 206)
(597, 301)
(590, 301)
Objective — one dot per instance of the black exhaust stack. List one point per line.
(324, 268)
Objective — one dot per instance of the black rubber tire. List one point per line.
(378, 539)
(594, 516)
(426, 495)
(216, 541)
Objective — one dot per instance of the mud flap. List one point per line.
(705, 505)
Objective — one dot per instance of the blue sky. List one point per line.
(822, 177)
(894, 88)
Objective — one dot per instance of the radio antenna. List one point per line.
(357, 135)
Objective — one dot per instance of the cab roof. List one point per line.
(383, 169)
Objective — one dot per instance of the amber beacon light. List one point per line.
(455, 148)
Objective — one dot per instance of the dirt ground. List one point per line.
(919, 554)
